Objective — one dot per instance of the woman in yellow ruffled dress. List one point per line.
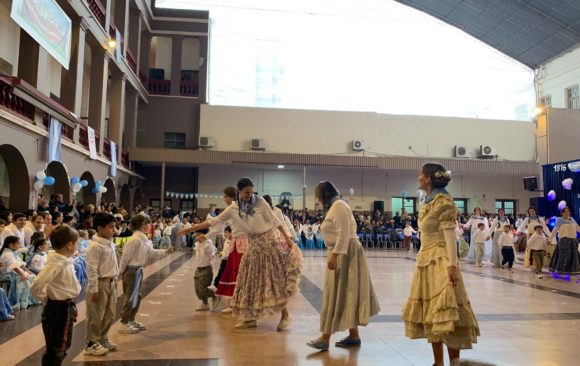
(438, 307)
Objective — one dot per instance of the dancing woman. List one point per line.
(527, 227)
(262, 282)
(497, 227)
(473, 223)
(438, 307)
(348, 299)
(565, 259)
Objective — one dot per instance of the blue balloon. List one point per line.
(98, 183)
(84, 183)
(75, 180)
(95, 190)
(49, 181)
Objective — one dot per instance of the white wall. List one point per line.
(9, 37)
(368, 185)
(163, 51)
(330, 132)
(190, 54)
(559, 74)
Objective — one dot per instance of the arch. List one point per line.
(111, 195)
(15, 186)
(87, 192)
(125, 198)
(61, 182)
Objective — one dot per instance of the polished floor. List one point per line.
(523, 320)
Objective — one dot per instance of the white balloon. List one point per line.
(103, 189)
(76, 188)
(40, 174)
(38, 185)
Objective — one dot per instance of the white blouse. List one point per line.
(529, 223)
(287, 224)
(339, 227)
(497, 224)
(10, 261)
(261, 221)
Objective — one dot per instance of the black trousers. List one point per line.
(220, 272)
(58, 318)
(508, 256)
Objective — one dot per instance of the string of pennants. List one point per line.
(182, 195)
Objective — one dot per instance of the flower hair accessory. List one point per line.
(446, 174)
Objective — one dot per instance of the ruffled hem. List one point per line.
(440, 314)
(292, 260)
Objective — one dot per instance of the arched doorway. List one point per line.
(88, 197)
(14, 179)
(61, 183)
(125, 198)
(111, 195)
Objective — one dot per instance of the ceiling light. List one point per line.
(112, 43)
(538, 110)
(280, 166)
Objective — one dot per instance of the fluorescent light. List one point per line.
(538, 110)
(280, 166)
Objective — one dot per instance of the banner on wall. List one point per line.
(47, 24)
(113, 159)
(92, 143)
(54, 140)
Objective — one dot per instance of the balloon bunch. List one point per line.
(99, 187)
(76, 184)
(41, 180)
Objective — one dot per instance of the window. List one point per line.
(546, 101)
(572, 98)
(509, 206)
(174, 140)
(400, 205)
(155, 204)
(186, 205)
(461, 204)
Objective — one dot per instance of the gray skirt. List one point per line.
(565, 258)
(348, 299)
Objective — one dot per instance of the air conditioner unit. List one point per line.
(258, 144)
(358, 145)
(206, 141)
(462, 152)
(487, 152)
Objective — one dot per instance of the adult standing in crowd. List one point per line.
(438, 307)
(348, 299)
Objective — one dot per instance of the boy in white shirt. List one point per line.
(204, 251)
(506, 244)
(408, 235)
(479, 239)
(101, 299)
(57, 287)
(537, 244)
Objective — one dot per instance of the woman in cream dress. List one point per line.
(438, 307)
(348, 299)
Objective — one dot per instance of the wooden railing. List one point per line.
(131, 60)
(65, 130)
(142, 77)
(83, 135)
(98, 11)
(13, 103)
(107, 148)
(162, 87)
(189, 88)
(125, 158)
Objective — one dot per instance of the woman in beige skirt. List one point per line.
(438, 307)
(348, 299)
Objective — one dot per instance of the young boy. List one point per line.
(537, 244)
(506, 244)
(204, 251)
(57, 287)
(102, 272)
(479, 239)
(408, 236)
(136, 253)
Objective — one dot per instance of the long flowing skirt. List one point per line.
(267, 277)
(496, 257)
(19, 295)
(565, 258)
(348, 299)
(5, 306)
(227, 283)
(436, 309)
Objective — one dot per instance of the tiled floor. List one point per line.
(524, 321)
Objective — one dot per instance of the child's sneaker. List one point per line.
(127, 329)
(138, 325)
(110, 346)
(212, 288)
(227, 310)
(96, 350)
(511, 270)
(10, 317)
(202, 307)
(539, 275)
(215, 303)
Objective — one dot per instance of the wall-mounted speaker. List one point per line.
(531, 184)
(379, 205)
